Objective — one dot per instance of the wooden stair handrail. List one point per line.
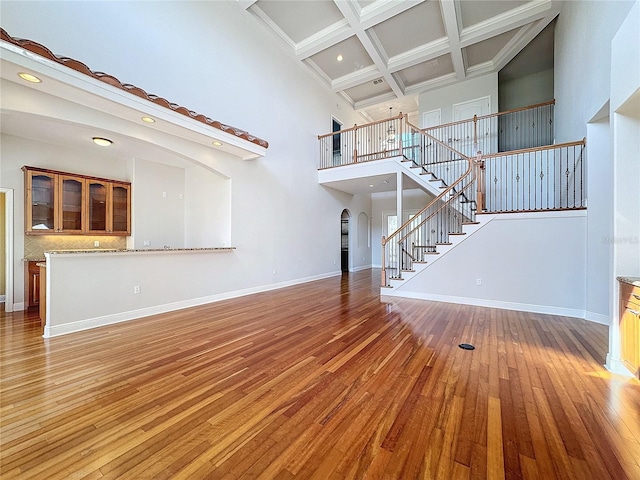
(443, 193)
(509, 153)
(475, 118)
(357, 127)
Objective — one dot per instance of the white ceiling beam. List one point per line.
(323, 39)
(383, 10)
(245, 4)
(452, 29)
(422, 53)
(432, 84)
(385, 97)
(519, 41)
(529, 12)
(353, 79)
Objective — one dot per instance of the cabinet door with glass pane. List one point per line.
(71, 215)
(120, 214)
(40, 202)
(97, 202)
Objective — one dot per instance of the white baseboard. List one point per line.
(86, 324)
(3, 298)
(358, 269)
(19, 307)
(597, 318)
(615, 365)
(480, 302)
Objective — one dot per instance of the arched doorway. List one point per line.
(344, 241)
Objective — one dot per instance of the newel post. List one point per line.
(480, 187)
(355, 143)
(475, 131)
(400, 129)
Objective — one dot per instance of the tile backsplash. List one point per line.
(35, 246)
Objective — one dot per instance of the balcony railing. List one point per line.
(363, 143)
(551, 177)
(525, 127)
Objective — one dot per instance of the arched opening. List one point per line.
(344, 241)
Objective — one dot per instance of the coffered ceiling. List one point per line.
(382, 53)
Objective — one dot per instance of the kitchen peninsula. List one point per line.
(92, 288)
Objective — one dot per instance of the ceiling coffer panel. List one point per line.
(353, 54)
(416, 26)
(300, 20)
(426, 70)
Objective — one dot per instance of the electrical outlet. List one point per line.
(96, 243)
(164, 195)
(478, 281)
(136, 289)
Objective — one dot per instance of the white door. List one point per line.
(463, 134)
(432, 118)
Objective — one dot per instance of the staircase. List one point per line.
(462, 166)
(444, 221)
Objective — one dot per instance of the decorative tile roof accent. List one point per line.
(80, 67)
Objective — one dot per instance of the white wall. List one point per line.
(159, 206)
(582, 62)
(599, 219)
(444, 98)
(207, 209)
(531, 262)
(525, 91)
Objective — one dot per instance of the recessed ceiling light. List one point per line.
(370, 186)
(217, 144)
(339, 58)
(103, 142)
(148, 120)
(29, 78)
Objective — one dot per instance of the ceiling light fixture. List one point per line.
(29, 77)
(103, 142)
(217, 143)
(391, 132)
(148, 120)
(339, 58)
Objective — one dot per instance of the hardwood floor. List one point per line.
(325, 380)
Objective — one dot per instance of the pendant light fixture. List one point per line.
(391, 132)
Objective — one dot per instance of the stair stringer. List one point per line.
(422, 268)
(413, 171)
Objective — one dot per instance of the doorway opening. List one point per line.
(6, 266)
(336, 126)
(344, 241)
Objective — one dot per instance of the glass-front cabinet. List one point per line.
(120, 208)
(71, 204)
(97, 206)
(66, 203)
(40, 202)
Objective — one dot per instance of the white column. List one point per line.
(399, 188)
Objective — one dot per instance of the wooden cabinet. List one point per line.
(65, 203)
(32, 293)
(630, 327)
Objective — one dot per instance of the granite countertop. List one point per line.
(635, 281)
(85, 251)
(140, 250)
